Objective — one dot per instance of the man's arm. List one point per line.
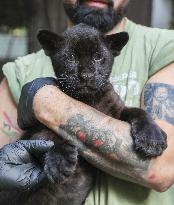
(18, 170)
(104, 141)
(158, 101)
(9, 130)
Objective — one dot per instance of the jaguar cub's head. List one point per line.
(82, 57)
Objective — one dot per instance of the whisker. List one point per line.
(61, 78)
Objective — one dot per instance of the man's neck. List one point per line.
(118, 28)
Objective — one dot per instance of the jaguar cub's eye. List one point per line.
(71, 58)
(98, 57)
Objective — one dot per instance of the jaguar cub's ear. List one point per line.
(49, 41)
(116, 42)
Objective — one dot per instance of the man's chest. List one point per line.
(128, 79)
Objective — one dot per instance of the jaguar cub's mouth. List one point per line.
(86, 89)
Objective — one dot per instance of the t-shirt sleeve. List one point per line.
(162, 49)
(25, 69)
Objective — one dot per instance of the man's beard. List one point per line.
(102, 19)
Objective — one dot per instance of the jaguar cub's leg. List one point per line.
(149, 139)
(60, 162)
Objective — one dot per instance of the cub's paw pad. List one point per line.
(149, 139)
(60, 164)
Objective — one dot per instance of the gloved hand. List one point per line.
(26, 116)
(18, 165)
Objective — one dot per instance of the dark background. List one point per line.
(140, 11)
(49, 14)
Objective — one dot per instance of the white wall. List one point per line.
(161, 13)
(17, 46)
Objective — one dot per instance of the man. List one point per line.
(146, 62)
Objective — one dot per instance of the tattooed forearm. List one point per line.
(159, 101)
(108, 149)
(9, 129)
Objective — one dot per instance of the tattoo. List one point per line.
(9, 129)
(159, 101)
(103, 147)
(11, 124)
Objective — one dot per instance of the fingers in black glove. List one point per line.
(18, 169)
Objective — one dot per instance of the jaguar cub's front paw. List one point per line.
(61, 162)
(150, 140)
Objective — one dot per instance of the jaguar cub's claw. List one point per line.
(149, 139)
(61, 163)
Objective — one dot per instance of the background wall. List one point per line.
(140, 11)
(162, 13)
(21, 20)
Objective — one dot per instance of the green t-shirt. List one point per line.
(147, 51)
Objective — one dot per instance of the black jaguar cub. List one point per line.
(82, 59)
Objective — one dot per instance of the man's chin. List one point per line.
(103, 19)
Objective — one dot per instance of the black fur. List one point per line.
(82, 59)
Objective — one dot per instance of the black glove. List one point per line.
(26, 117)
(18, 169)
